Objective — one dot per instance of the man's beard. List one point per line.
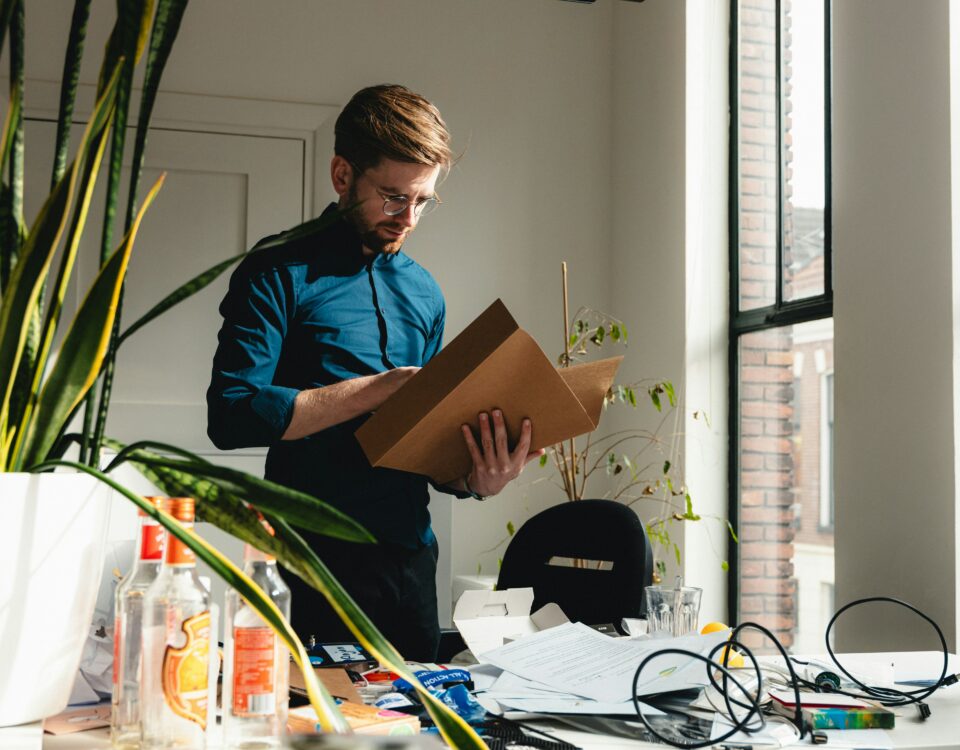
(368, 232)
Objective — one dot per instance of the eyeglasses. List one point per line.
(394, 205)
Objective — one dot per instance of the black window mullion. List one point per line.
(827, 154)
(733, 374)
(781, 153)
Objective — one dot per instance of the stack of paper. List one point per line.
(572, 668)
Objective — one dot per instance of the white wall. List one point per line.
(526, 89)
(706, 305)
(895, 320)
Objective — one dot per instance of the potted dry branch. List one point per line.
(638, 466)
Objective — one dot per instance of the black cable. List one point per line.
(797, 712)
(885, 696)
(738, 725)
(728, 644)
(890, 696)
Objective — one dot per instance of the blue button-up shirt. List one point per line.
(307, 314)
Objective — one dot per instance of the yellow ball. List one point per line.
(713, 627)
(735, 660)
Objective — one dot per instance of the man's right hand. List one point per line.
(317, 409)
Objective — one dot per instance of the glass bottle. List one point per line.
(176, 647)
(256, 672)
(127, 631)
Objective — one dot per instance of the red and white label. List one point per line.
(254, 662)
(151, 541)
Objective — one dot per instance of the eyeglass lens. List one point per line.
(395, 206)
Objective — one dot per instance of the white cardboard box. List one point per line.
(488, 619)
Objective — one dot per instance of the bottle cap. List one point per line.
(182, 508)
(160, 503)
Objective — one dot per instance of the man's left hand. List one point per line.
(494, 465)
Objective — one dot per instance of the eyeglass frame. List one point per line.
(418, 208)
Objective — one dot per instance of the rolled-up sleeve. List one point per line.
(244, 407)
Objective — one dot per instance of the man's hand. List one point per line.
(494, 466)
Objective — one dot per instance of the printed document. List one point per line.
(576, 659)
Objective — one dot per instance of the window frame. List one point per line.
(782, 312)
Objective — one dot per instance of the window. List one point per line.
(781, 329)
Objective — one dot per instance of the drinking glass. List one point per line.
(673, 611)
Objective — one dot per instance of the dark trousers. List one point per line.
(395, 586)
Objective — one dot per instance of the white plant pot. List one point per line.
(51, 554)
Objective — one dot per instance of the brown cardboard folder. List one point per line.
(492, 364)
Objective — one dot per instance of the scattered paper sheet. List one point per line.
(576, 659)
(574, 705)
(776, 732)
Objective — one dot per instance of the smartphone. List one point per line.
(340, 655)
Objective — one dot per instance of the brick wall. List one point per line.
(768, 470)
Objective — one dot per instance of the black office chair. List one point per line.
(588, 530)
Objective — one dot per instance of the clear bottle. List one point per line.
(176, 647)
(256, 672)
(127, 632)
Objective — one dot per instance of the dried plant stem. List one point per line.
(572, 466)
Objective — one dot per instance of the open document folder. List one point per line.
(492, 364)
(575, 662)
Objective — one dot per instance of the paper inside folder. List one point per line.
(492, 364)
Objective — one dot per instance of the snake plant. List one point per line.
(43, 390)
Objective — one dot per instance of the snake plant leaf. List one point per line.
(203, 280)
(452, 727)
(71, 247)
(320, 698)
(304, 230)
(166, 24)
(6, 11)
(177, 296)
(131, 15)
(299, 508)
(124, 451)
(37, 253)
(68, 89)
(84, 347)
(10, 226)
(37, 364)
(9, 125)
(229, 512)
(145, 18)
(15, 167)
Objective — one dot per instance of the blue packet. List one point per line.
(450, 687)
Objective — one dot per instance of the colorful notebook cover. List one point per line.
(867, 717)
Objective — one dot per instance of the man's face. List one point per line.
(379, 232)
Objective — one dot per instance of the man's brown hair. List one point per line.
(391, 121)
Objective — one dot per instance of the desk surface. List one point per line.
(940, 732)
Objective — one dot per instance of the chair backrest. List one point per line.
(589, 530)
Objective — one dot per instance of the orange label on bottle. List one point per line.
(254, 652)
(151, 541)
(185, 671)
(178, 553)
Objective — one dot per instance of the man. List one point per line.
(318, 333)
